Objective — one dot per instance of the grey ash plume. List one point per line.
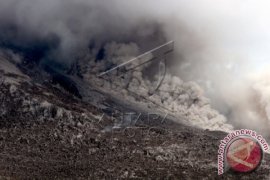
(218, 45)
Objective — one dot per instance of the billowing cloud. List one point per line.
(217, 44)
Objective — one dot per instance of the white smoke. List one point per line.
(250, 102)
(184, 100)
(218, 44)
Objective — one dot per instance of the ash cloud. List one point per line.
(59, 30)
(185, 101)
(218, 44)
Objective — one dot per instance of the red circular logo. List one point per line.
(244, 154)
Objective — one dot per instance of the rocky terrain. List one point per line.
(47, 131)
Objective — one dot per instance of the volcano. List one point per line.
(56, 125)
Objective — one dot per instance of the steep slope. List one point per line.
(47, 132)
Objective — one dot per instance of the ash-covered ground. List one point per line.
(60, 120)
(59, 127)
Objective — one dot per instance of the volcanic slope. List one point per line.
(48, 132)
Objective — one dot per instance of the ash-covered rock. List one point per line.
(48, 133)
